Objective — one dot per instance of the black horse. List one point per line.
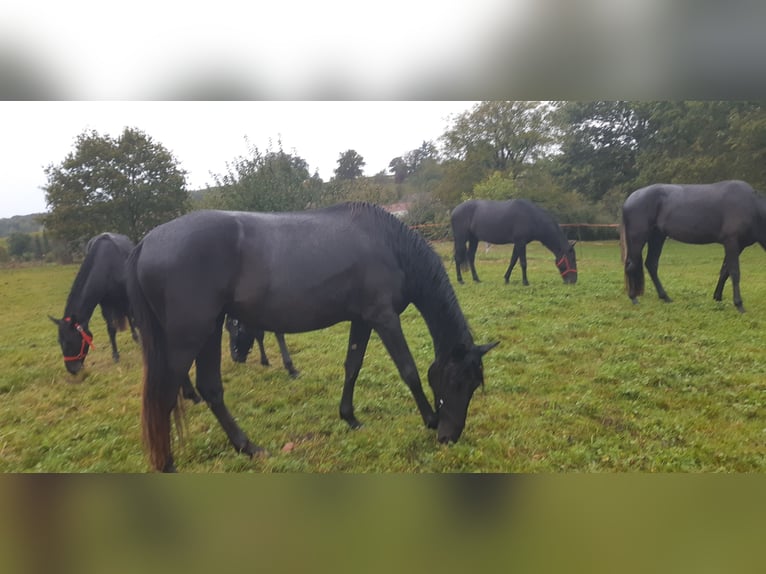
(727, 212)
(242, 339)
(290, 273)
(516, 221)
(100, 281)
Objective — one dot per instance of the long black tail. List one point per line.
(634, 268)
(461, 253)
(159, 396)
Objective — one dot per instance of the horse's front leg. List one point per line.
(730, 268)
(109, 318)
(210, 387)
(653, 252)
(514, 259)
(133, 332)
(358, 337)
(286, 359)
(392, 336)
(259, 337)
(722, 277)
(731, 262)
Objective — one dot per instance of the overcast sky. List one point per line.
(204, 136)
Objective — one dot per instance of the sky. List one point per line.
(205, 136)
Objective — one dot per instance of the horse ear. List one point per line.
(484, 349)
(57, 322)
(572, 242)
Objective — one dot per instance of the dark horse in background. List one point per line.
(516, 221)
(100, 281)
(291, 273)
(727, 212)
(242, 339)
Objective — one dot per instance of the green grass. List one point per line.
(581, 381)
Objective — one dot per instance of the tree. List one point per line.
(19, 244)
(502, 135)
(270, 181)
(399, 168)
(599, 145)
(350, 165)
(129, 184)
(700, 141)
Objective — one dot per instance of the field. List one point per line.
(582, 381)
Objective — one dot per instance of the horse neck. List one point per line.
(87, 291)
(436, 300)
(554, 239)
(445, 322)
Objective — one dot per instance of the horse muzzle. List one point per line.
(448, 433)
(74, 367)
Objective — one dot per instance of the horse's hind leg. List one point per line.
(358, 337)
(653, 251)
(286, 359)
(473, 245)
(210, 387)
(523, 262)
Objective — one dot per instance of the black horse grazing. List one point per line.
(290, 273)
(100, 281)
(242, 339)
(727, 212)
(516, 221)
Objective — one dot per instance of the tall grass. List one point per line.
(582, 381)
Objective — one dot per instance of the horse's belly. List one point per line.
(295, 315)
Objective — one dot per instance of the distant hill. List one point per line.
(20, 224)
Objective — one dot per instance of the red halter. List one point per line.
(568, 269)
(86, 340)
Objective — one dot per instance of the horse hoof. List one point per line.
(294, 374)
(253, 450)
(353, 423)
(634, 301)
(740, 308)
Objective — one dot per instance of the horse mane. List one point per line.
(549, 218)
(427, 283)
(83, 274)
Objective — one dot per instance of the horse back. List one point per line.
(508, 221)
(277, 272)
(696, 213)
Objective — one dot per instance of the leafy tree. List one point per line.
(504, 136)
(419, 156)
(747, 141)
(19, 244)
(350, 165)
(267, 181)
(399, 168)
(686, 142)
(127, 184)
(599, 144)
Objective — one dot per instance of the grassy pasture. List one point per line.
(582, 381)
